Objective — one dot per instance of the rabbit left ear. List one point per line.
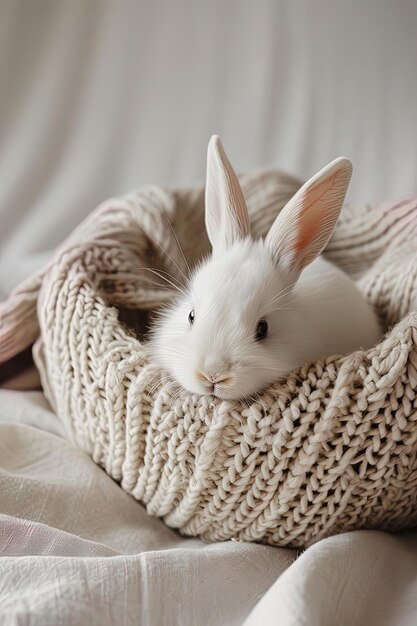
(306, 223)
(227, 218)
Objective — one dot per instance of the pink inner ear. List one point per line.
(311, 213)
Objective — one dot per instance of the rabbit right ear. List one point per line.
(305, 225)
(227, 218)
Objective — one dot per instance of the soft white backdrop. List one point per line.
(98, 97)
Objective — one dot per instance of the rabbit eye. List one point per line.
(261, 330)
(191, 317)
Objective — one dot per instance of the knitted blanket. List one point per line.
(332, 449)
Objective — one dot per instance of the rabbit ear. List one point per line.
(227, 218)
(306, 223)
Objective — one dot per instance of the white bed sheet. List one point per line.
(75, 549)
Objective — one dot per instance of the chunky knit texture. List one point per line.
(333, 449)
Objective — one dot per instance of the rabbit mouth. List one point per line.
(218, 382)
(220, 390)
(226, 392)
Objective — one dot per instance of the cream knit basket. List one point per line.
(331, 450)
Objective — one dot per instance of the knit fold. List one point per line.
(331, 449)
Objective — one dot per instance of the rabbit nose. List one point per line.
(215, 373)
(212, 378)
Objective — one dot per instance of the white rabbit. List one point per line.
(257, 309)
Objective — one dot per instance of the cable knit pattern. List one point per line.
(331, 450)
